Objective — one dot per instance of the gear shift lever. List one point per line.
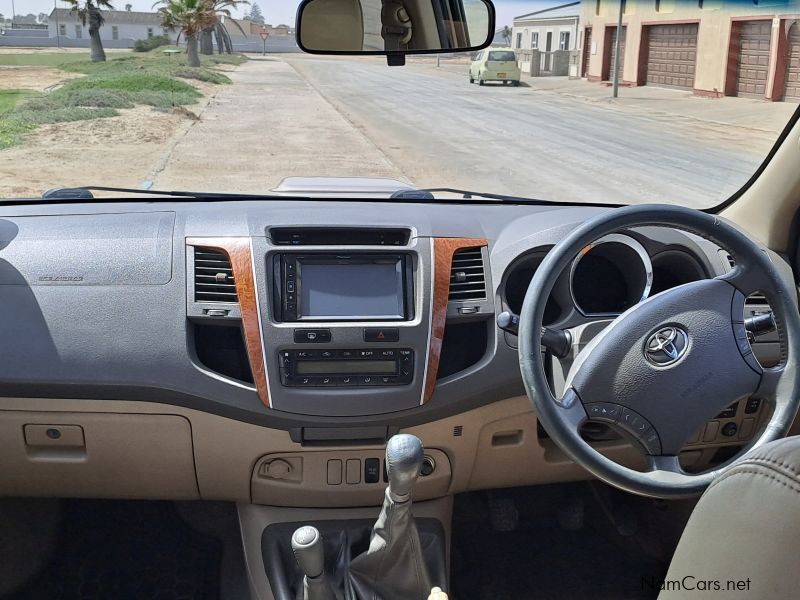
(308, 551)
(393, 568)
(404, 455)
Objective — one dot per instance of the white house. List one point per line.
(121, 27)
(547, 30)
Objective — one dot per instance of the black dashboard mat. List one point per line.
(126, 550)
(539, 559)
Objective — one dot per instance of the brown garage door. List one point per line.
(611, 53)
(671, 55)
(752, 59)
(792, 90)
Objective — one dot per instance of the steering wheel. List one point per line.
(668, 365)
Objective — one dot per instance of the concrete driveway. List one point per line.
(305, 115)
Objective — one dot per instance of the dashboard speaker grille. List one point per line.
(213, 277)
(467, 277)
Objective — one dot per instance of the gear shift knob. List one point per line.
(308, 551)
(404, 455)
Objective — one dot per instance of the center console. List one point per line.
(346, 330)
(336, 322)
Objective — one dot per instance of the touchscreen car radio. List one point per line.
(351, 287)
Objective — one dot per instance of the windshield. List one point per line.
(502, 56)
(681, 104)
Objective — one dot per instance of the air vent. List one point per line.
(338, 236)
(458, 431)
(213, 277)
(467, 279)
(756, 298)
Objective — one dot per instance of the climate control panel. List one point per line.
(347, 367)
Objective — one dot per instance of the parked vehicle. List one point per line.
(495, 64)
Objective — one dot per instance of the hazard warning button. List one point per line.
(381, 334)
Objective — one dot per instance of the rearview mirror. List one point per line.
(394, 26)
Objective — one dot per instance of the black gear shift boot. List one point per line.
(343, 541)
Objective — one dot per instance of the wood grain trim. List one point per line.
(239, 253)
(443, 251)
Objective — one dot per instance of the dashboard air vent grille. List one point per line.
(213, 277)
(467, 278)
(757, 298)
(338, 236)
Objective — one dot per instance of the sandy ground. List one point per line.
(123, 151)
(32, 78)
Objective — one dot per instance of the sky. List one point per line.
(275, 11)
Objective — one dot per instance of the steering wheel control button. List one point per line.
(604, 411)
(634, 422)
(730, 429)
(666, 346)
(651, 442)
(743, 343)
(312, 336)
(382, 334)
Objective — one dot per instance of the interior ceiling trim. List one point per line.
(443, 251)
(239, 252)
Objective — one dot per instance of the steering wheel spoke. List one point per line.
(572, 410)
(663, 463)
(770, 380)
(746, 279)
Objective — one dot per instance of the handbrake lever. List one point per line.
(557, 341)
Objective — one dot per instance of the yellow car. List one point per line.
(494, 64)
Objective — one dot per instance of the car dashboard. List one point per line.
(264, 351)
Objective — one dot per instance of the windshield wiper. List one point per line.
(85, 193)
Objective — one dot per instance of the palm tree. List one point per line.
(191, 17)
(90, 10)
(506, 33)
(221, 8)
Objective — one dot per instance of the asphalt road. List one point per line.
(438, 130)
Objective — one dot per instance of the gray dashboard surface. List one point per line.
(121, 331)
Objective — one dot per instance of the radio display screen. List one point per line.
(351, 289)
(346, 367)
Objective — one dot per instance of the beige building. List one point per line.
(712, 47)
(547, 30)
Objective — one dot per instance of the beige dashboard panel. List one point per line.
(339, 478)
(99, 455)
(135, 450)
